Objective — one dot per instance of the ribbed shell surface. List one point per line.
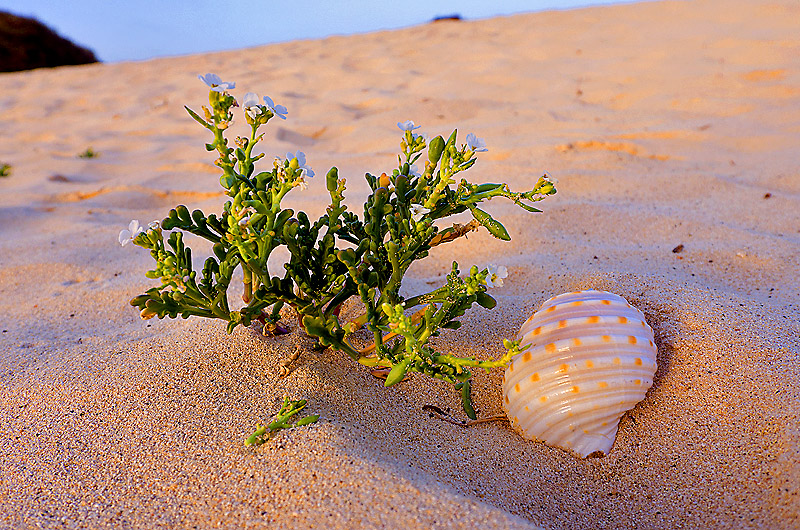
(591, 359)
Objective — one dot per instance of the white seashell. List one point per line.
(591, 359)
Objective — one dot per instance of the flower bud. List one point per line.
(397, 373)
(332, 179)
(435, 149)
(547, 189)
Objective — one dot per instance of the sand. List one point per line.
(665, 123)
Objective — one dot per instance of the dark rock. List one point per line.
(442, 18)
(26, 43)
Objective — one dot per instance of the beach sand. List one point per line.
(665, 123)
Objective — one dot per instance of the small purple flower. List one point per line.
(301, 163)
(216, 84)
(475, 144)
(407, 125)
(278, 110)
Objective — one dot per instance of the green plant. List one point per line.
(5, 170)
(88, 153)
(334, 258)
(284, 420)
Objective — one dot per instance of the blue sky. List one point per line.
(119, 30)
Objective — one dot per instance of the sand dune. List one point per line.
(665, 123)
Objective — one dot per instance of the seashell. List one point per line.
(591, 359)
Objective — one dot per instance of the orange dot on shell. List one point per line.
(527, 409)
(505, 398)
(537, 330)
(593, 320)
(622, 320)
(577, 302)
(615, 360)
(575, 389)
(637, 381)
(638, 362)
(604, 423)
(562, 323)
(535, 377)
(526, 356)
(631, 339)
(589, 364)
(516, 387)
(606, 302)
(543, 399)
(602, 384)
(551, 308)
(651, 342)
(550, 348)
(606, 338)
(511, 367)
(576, 341)
(563, 368)
(570, 414)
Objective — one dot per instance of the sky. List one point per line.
(122, 30)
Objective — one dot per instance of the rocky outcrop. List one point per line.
(26, 43)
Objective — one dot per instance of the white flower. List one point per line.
(278, 110)
(495, 275)
(475, 144)
(407, 125)
(245, 213)
(301, 163)
(300, 156)
(417, 211)
(126, 236)
(153, 225)
(251, 105)
(413, 171)
(549, 178)
(250, 100)
(301, 183)
(216, 84)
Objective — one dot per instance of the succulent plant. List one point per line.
(338, 256)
